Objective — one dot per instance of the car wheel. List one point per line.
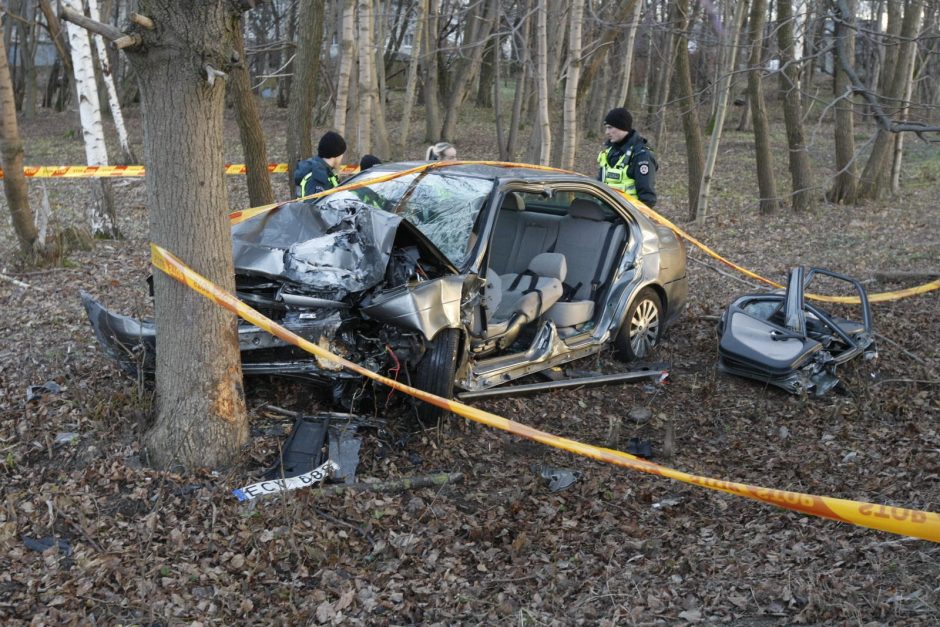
(435, 372)
(642, 326)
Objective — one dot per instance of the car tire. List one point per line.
(642, 327)
(435, 373)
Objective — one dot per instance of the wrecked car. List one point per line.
(781, 339)
(467, 276)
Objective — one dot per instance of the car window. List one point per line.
(443, 207)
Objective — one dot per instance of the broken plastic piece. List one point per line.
(557, 478)
(344, 450)
(303, 450)
(33, 392)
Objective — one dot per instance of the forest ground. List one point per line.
(618, 547)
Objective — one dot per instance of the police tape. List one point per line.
(273, 486)
(899, 520)
(133, 171)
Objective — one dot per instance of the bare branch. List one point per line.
(142, 20)
(119, 38)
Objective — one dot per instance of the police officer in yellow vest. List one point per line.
(318, 174)
(626, 162)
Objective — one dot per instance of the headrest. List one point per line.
(513, 202)
(586, 210)
(550, 265)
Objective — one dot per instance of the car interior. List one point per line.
(549, 259)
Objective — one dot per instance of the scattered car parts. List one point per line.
(781, 339)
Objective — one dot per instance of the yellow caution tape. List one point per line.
(872, 298)
(105, 171)
(899, 520)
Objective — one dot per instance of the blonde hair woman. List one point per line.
(442, 151)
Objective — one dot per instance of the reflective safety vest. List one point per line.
(332, 178)
(616, 175)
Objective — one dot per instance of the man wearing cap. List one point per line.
(318, 174)
(626, 162)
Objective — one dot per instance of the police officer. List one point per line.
(318, 174)
(626, 162)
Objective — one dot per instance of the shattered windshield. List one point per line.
(443, 207)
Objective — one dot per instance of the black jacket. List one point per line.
(320, 181)
(641, 168)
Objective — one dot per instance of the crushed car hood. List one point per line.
(343, 244)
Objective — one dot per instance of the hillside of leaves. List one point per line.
(131, 545)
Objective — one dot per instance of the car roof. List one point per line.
(493, 172)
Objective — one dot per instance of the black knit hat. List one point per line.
(368, 161)
(619, 118)
(331, 145)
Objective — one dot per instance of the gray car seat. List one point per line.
(524, 297)
(590, 244)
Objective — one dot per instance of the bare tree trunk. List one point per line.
(364, 132)
(249, 128)
(127, 154)
(467, 67)
(200, 407)
(876, 177)
(432, 105)
(902, 116)
(570, 126)
(801, 171)
(545, 130)
(306, 73)
(685, 99)
(730, 38)
(377, 89)
(412, 80)
(662, 90)
(765, 167)
(348, 47)
(284, 84)
(28, 44)
(629, 46)
(487, 81)
(101, 217)
(845, 186)
(14, 182)
(519, 96)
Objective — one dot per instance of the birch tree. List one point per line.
(347, 56)
(127, 154)
(366, 93)
(541, 61)
(633, 15)
(101, 218)
(570, 124)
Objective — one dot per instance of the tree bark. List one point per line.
(685, 99)
(876, 177)
(431, 88)
(101, 217)
(306, 73)
(200, 407)
(364, 128)
(519, 96)
(377, 90)
(570, 125)
(249, 128)
(730, 39)
(545, 129)
(801, 171)
(27, 48)
(845, 185)
(766, 183)
(14, 181)
(633, 15)
(127, 154)
(347, 53)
